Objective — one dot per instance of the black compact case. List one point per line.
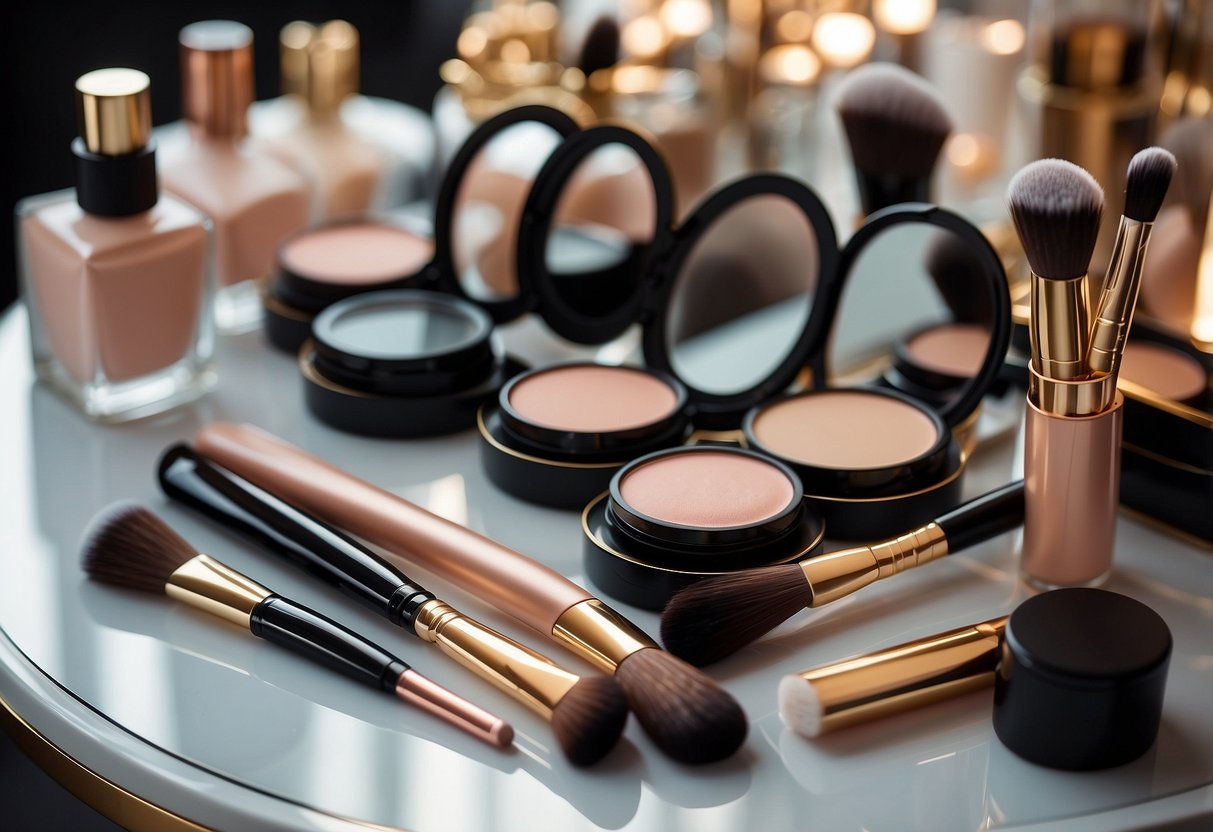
(739, 303)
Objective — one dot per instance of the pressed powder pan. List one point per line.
(676, 516)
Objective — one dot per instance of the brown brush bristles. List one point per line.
(589, 718)
(1146, 184)
(716, 617)
(1056, 206)
(1191, 140)
(127, 545)
(895, 121)
(600, 49)
(957, 273)
(689, 716)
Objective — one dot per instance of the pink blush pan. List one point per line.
(356, 253)
(587, 398)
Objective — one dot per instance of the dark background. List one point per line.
(51, 42)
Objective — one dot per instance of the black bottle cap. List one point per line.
(115, 186)
(1081, 680)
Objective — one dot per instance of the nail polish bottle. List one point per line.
(253, 199)
(116, 276)
(360, 153)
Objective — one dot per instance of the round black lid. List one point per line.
(979, 258)
(1081, 680)
(444, 272)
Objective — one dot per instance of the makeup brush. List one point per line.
(1146, 184)
(131, 547)
(714, 618)
(687, 714)
(587, 713)
(954, 268)
(600, 49)
(1056, 207)
(896, 124)
(890, 681)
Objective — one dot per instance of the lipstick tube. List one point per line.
(1071, 480)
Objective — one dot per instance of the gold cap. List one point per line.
(294, 40)
(332, 66)
(115, 107)
(217, 76)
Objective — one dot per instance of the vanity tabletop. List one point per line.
(167, 719)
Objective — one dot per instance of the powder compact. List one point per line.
(373, 384)
(746, 299)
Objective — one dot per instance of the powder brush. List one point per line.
(1148, 178)
(129, 546)
(716, 617)
(896, 124)
(587, 713)
(688, 715)
(1056, 207)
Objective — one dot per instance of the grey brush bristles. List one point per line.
(716, 617)
(1056, 207)
(896, 122)
(1191, 140)
(129, 546)
(588, 720)
(688, 715)
(1146, 184)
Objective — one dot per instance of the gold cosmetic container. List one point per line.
(907, 676)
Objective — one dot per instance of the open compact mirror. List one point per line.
(881, 439)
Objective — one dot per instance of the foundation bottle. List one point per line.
(354, 148)
(253, 199)
(115, 276)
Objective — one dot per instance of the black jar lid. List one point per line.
(402, 363)
(1081, 680)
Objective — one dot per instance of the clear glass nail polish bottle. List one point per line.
(117, 277)
(253, 199)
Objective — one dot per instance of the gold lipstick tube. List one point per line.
(1071, 481)
(908, 676)
(521, 673)
(1119, 297)
(1059, 327)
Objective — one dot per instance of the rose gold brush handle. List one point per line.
(515, 584)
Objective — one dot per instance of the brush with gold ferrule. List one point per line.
(686, 713)
(1148, 179)
(1056, 207)
(587, 713)
(131, 547)
(891, 681)
(716, 617)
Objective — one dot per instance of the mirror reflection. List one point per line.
(742, 297)
(488, 208)
(602, 227)
(915, 294)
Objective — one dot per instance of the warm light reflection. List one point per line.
(790, 63)
(472, 42)
(686, 18)
(903, 17)
(515, 51)
(963, 150)
(1003, 37)
(796, 25)
(843, 39)
(1199, 102)
(974, 155)
(643, 37)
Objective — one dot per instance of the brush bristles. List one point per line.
(589, 718)
(1191, 140)
(601, 46)
(1056, 206)
(895, 121)
(958, 274)
(1146, 185)
(689, 716)
(716, 617)
(129, 546)
(800, 706)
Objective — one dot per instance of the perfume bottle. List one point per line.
(253, 198)
(360, 153)
(116, 277)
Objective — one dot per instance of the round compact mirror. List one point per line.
(916, 311)
(741, 298)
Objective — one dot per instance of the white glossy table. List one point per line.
(164, 718)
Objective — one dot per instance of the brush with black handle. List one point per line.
(714, 618)
(129, 546)
(587, 713)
